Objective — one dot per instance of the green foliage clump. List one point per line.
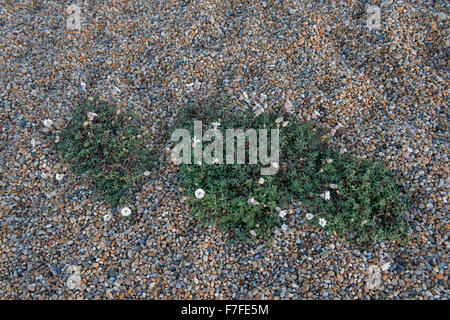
(365, 197)
(109, 149)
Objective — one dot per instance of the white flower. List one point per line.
(329, 161)
(91, 115)
(146, 173)
(48, 123)
(107, 217)
(199, 193)
(261, 181)
(125, 211)
(253, 201)
(253, 233)
(343, 150)
(333, 186)
(325, 195)
(215, 124)
(322, 222)
(282, 213)
(309, 216)
(59, 176)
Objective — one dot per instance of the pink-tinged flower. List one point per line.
(258, 112)
(262, 98)
(288, 105)
(91, 116)
(343, 150)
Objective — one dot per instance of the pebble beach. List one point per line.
(383, 93)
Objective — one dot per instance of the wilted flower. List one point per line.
(199, 193)
(107, 217)
(125, 212)
(91, 116)
(48, 123)
(253, 233)
(253, 201)
(329, 161)
(325, 195)
(258, 112)
(288, 105)
(386, 266)
(322, 222)
(73, 282)
(343, 150)
(59, 176)
(333, 186)
(197, 84)
(282, 213)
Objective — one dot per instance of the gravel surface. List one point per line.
(388, 88)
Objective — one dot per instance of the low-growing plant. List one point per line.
(106, 144)
(346, 194)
